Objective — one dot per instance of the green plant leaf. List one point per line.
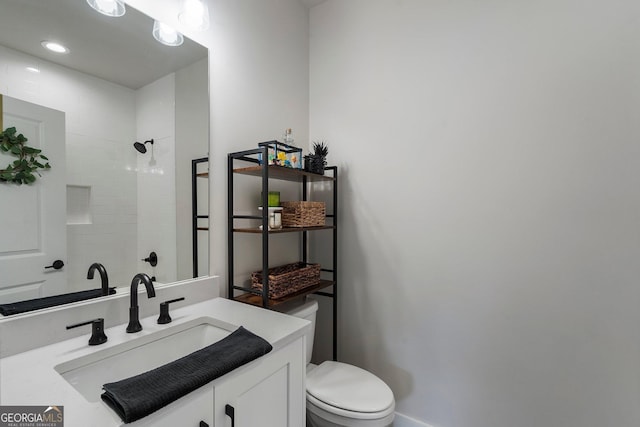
(30, 150)
(10, 131)
(21, 170)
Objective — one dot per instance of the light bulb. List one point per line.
(55, 47)
(113, 8)
(166, 35)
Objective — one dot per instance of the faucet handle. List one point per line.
(151, 259)
(164, 311)
(97, 331)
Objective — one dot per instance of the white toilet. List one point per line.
(342, 395)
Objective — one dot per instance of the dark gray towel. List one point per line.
(46, 302)
(136, 397)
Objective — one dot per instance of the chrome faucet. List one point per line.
(134, 322)
(104, 279)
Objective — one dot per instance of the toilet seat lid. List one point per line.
(348, 387)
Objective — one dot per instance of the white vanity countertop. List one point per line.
(29, 378)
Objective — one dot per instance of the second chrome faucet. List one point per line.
(134, 320)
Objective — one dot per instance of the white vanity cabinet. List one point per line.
(268, 392)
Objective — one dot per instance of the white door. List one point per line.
(33, 217)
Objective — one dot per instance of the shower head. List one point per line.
(141, 146)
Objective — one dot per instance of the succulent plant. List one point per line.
(320, 149)
(317, 160)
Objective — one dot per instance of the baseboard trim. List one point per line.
(404, 421)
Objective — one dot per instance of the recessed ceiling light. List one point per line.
(33, 69)
(54, 47)
(113, 8)
(166, 35)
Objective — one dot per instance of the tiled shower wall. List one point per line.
(122, 204)
(100, 128)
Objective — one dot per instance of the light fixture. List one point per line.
(113, 8)
(33, 70)
(195, 14)
(166, 35)
(54, 46)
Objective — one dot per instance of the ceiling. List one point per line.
(311, 3)
(121, 50)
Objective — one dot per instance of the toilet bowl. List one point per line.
(339, 394)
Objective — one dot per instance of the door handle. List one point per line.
(230, 411)
(57, 265)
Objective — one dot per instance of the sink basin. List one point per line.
(88, 373)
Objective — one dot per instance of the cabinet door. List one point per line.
(188, 411)
(268, 392)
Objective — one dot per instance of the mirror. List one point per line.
(116, 86)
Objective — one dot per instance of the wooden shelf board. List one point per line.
(256, 230)
(253, 299)
(283, 173)
(203, 174)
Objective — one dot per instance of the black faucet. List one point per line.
(103, 276)
(134, 322)
(97, 331)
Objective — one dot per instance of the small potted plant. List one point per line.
(317, 160)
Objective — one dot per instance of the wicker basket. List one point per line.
(287, 279)
(303, 214)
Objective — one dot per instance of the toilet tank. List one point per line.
(307, 310)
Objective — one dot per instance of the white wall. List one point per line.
(192, 142)
(155, 119)
(259, 87)
(258, 66)
(489, 164)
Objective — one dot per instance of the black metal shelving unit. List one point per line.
(194, 209)
(273, 172)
